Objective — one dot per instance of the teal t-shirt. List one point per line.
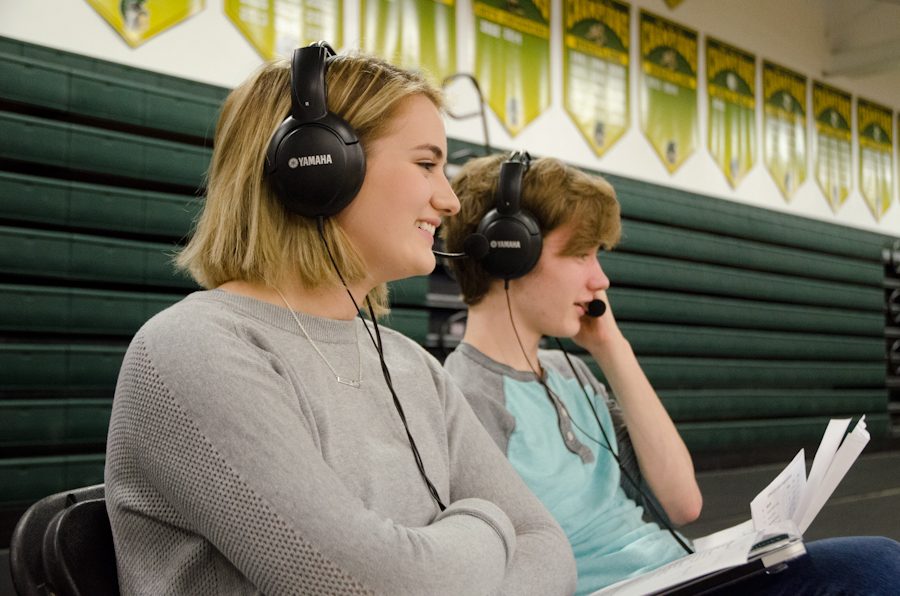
(568, 466)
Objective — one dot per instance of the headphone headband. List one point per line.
(308, 66)
(509, 189)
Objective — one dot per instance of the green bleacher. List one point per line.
(755, 326)
(805, 297)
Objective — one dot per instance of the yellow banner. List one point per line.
(659, 34)
(785, 127)
(136, 21)
(731, 89)
(831, 110)
(587, 47)
(512, 21)
(419, 34)
(666, 74)
(512, 59)
(276, 27)
(595, 69)
(607, 12)
(789, 86)
(669, 88)
(876, 146)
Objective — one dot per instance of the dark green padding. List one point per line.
(82, 257)
(59, 370)
(98, 151)
(736, 403)
(53, 423)
(649, 339)
(24, 480)
(412, 291)
(672, 274)
(411, 323)
(646, 201)
(691, 245)
(47, 309)
(69, 256)
(112, 70)
(650, 305)
(72, 204)
(724, 437)
(102, 96)
(694, 373)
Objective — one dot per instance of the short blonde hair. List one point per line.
(244, 232)
(553, 192)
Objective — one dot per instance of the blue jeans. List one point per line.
(863, 565)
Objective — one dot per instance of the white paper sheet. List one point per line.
(828, 446)
(778, 502)
(722, 536)
(844, 458)
(786, 506)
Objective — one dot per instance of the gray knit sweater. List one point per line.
(236, 464)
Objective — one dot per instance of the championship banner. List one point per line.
(876, 149)
(784, 126)
(731, 87)
(669, 88)
(277, 27)
(831, 109)
(136, 21)
(412, 33)
(595, 69)
(512, 58)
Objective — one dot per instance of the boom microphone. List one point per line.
(474, 247)
(596, 308)
(450, 255)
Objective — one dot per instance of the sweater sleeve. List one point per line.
(543, 563)
(230, 456)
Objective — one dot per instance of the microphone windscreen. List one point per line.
(596, 308)
(476, 246)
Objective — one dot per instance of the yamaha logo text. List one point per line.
(506, 244)
(309, 160)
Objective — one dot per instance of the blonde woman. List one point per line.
(264, 437)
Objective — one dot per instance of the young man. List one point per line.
(535, 229)
(531, 401)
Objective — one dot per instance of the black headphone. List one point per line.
(315, 162)
(507, 242)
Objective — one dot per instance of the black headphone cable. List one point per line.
(376, 341)
(648, 501)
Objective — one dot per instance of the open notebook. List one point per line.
(772, 556)
(767, 542)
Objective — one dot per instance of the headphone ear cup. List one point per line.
(313, 170)
(514, 244)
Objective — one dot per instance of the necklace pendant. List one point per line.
(350, 382)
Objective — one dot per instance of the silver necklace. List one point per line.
(342, 380)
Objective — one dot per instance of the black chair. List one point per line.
(63, 545)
